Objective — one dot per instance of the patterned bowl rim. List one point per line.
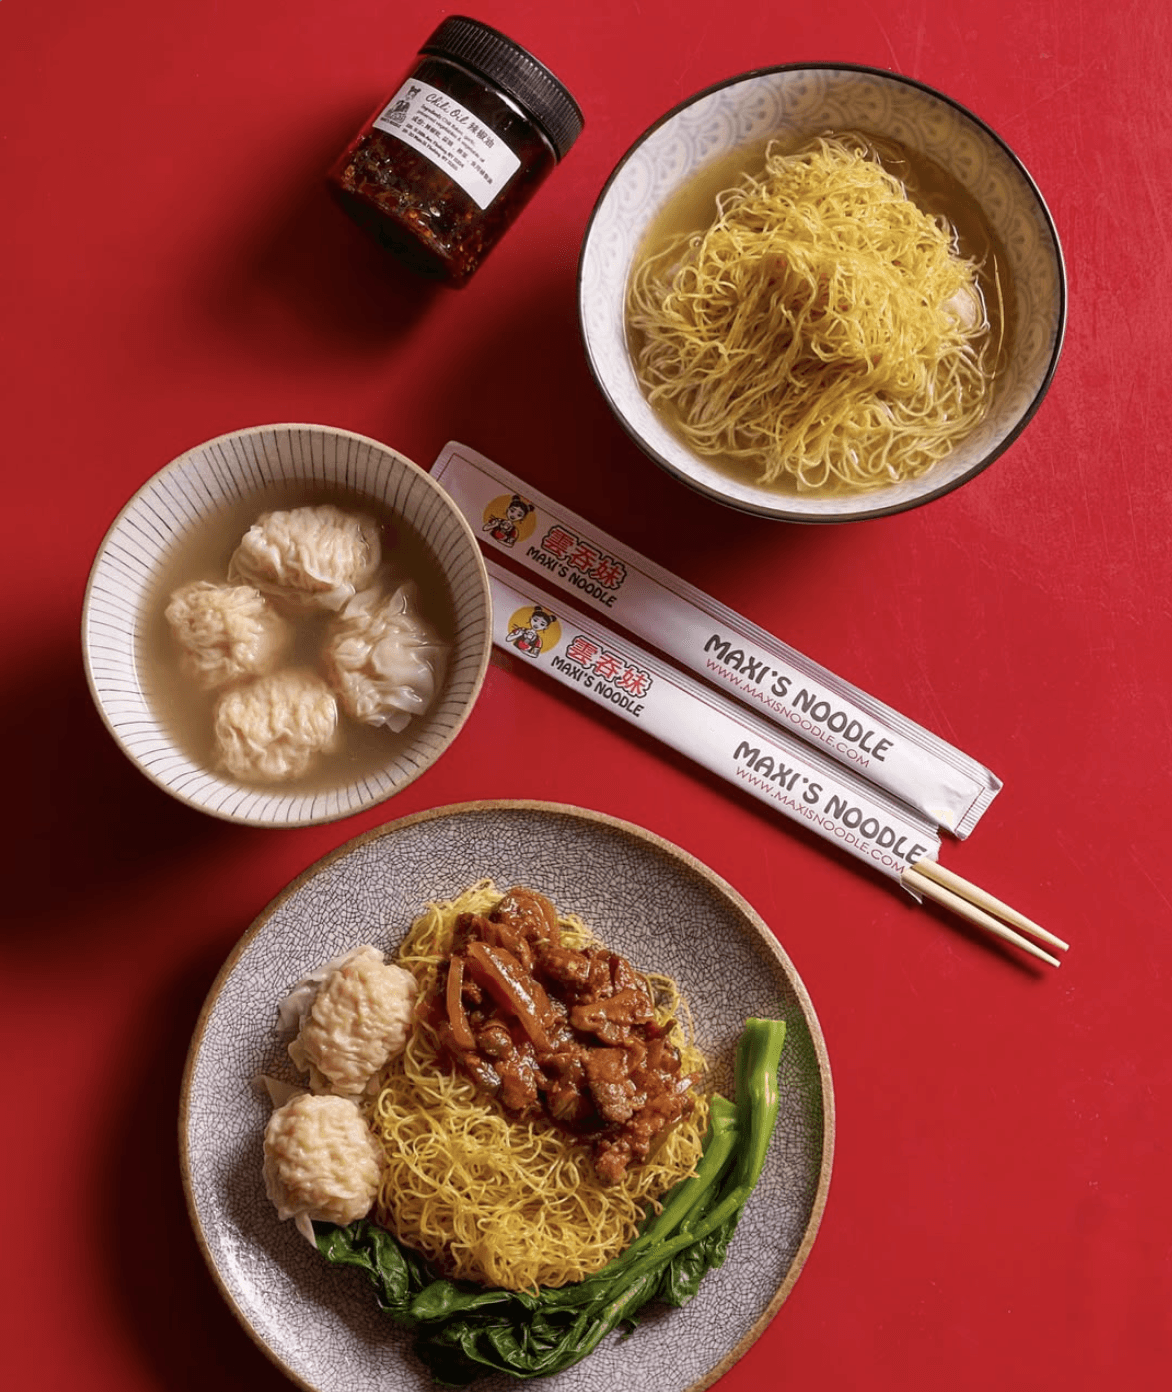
(778, 511)
(393, 457)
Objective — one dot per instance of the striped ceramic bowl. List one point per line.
(166, 517)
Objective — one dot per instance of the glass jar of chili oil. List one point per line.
(441, 172)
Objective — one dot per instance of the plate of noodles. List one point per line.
(647, 900)
(822, 292)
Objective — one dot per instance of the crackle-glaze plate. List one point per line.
(646, 898)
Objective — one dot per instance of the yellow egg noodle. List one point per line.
(490, 1199)
(823, 331)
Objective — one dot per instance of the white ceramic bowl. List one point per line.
(802, 101)
(124, 598)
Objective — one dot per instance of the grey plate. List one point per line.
(646, 898)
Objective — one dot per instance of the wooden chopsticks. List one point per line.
(981, 909)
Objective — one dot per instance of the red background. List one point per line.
(172, 268)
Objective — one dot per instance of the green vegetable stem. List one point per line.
(464, 1331)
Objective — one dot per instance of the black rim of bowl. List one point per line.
(779, 514)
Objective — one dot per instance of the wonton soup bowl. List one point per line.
(795, 103)
(174, 509)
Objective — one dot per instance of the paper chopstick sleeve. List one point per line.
(765, 762)
(769, 677)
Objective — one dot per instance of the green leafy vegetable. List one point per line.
(463, 1331)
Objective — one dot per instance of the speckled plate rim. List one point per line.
(685, 862)
(778, 512)
(115, 683)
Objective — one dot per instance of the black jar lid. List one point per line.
(515, 71)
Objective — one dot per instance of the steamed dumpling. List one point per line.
(321, 1162)
(384, 660)
(225, 632)
(271, 728)
(352, 1020)
(309, 557)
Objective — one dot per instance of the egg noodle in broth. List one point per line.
(836, 328)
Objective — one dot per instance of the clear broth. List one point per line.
(928, 185)
(186, 711)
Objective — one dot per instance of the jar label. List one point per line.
(451, 137)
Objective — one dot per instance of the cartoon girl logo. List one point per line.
(532, 630)
(396, 113)
(508, 519)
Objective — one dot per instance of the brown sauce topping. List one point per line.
(556, 1031)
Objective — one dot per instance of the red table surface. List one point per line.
(172, 268)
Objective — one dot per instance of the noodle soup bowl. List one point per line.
(190, 515)
(668, 181)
